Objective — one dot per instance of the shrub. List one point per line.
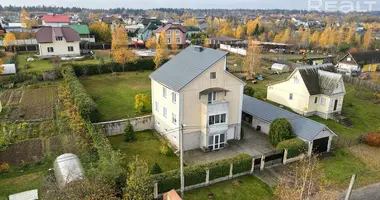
(156, 169)
(86, 105)
(129, 133)
(165, 150)
(4, 168)
(372, 139)
(197, 174)
(280, 130)
(295, 147)
(249, 91)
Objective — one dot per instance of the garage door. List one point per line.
(320, 145)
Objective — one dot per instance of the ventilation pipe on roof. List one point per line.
(198, 49)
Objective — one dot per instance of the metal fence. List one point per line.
(361, 83)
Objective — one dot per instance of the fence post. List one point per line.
(231, 170)
(155, 192)
(285, 156)
(207, 176)
(310, 149)
(253, 165)
(262, 164)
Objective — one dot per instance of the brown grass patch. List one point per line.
(367, 154)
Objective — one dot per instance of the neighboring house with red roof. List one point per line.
(177, 29)
(55, 20)
(58, 41)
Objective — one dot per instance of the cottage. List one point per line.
(58, 41)
(260, 115)
(355, 62)
(55, 20)
(177, 29)
(310, 90)
(195, 89)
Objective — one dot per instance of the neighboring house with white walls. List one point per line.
(310, 90)
(195, 89)
(58, 41)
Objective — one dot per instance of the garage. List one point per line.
(320, 145)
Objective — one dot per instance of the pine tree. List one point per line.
(129, 133)
(156, 169)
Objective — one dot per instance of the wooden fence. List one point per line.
(361, 83)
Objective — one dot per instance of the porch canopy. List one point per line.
(215, 89)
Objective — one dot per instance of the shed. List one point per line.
(260, 115)
(280, 67)
(9, 69)
(67, 168)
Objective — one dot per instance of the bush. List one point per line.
(86, 105)
(372, 139)
(295, 147)
(129, 133)
(4, 168)
(165, 150)
(249, 91)
(280, 130)
(197, 174)
(156, 169)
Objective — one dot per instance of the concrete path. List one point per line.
(371, 192)
(271, 175)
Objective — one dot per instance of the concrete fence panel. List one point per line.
(111, 128)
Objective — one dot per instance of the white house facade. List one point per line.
(310, 90)
(195, 90)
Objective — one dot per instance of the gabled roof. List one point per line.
(319, 79)
(48, 34)
(56, 19)
(172, 26)
(366, 57)
(82, 29)
(186, 66)
(304, 128)
(192, 28)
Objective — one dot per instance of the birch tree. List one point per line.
(252, 60)
(119, 38)
(161, 49)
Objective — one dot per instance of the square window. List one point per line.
(177, 32)
(323, 101)
(50, 49)
(174, 97)
(70, 48)
(223, 118)
(213, 75)
(211, 120)
(290, 96)
(58, 38)
(165, 112)
(217, 119)
(178, 41)
(164, 92)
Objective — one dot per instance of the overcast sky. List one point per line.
(145, 4)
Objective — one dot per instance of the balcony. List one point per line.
(215, 109)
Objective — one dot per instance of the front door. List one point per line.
(335, 104)
(216, 142)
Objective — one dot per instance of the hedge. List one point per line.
(86, 105)
(295, 147)
(197, 174)
(280, 130)
(93, 69)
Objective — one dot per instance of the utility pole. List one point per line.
(348, 194)
(181, 160)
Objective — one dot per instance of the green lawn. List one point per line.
(146, 147)
(35, 66)
(247, 187)
(337, 170)
(115, 95)
(359, 108)
(20, 184)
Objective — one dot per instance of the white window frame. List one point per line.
(59, 38)
(178, 40)
(70, 49)
(177, 32)
(217, 119)
(323, 100)
(291, 96)
(164, 92)
(164, 112)
(213, 97)
(50, 50)
(169, 32)
(174, 118)
(174, 97)
(169, 41)
(157, 106)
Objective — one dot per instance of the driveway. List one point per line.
(254, 144)
(368, 193)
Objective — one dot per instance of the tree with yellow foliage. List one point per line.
(315, 38)
(286, 35)
(173, 42)
(1, 67)
(124, 56)
(206, 43)
(161, 49)
(239, 32)
(252, 61)
(278, 37)
(119, 38)
(323, 39)
(10, 40)
(101, 31)
(216, 22)
(141, 102)
(271, 35)
(305, 39)
(151, 43)
(263, 37)
(191, 22)
(225, 29)
(25, 19)
(367, 39)
(254, 27)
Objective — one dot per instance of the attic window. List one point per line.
(348, 59)
(337, 86)
(213, 75)
(58, 38)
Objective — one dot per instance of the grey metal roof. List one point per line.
(304, 128)
(186, 66)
